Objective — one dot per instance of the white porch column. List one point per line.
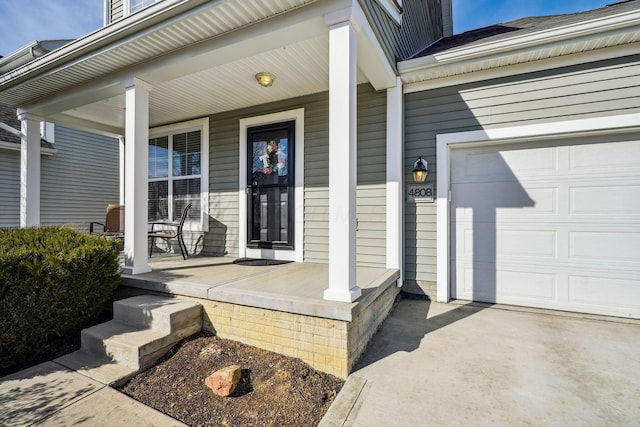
(29, 171)
(395, 173)
(121, 174)
(136, 170)
(342, 163)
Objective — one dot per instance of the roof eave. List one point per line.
(582, 32)
(159, 12)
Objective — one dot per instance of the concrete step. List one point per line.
(155, 312)
(144, 328)
(124, 344)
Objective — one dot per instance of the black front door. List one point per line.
(271, 186)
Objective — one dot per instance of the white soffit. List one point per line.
(583, 37)
(172, 33)
(300, 69)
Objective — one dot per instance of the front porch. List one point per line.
(276, 307)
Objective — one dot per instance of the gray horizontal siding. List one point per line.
(371, 179)
(605, 88)
(80, 179)
(421, 26)
(222, 237)
(9, 188)
(223, 187)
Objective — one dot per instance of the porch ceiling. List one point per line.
(300, 68)
(199, 57)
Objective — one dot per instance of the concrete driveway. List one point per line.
(449, 365)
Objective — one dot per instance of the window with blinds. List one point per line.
(175, 176)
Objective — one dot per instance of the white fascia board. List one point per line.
(524, 68)
(582, 32)
(393, 8)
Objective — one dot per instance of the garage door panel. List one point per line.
(486, 198)
(526, 244)
(548, 224)
(506, 244)
(619, 155)
(611, 199)
(601, 246)
(603, 292)
(490, 165)
(510, 285)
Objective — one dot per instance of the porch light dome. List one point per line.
(265, 79)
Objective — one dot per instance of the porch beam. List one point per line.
(29, 170)
(342, 163)
(395, 169)
(136, 167)
(88, 125)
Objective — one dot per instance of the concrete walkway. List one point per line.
(51, 395)
(446, 365)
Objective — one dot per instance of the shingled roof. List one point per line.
(524, 26)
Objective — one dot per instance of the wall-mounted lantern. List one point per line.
(420, 170)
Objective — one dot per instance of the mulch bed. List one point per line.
(274, 390)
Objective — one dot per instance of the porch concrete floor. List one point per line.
(292, 287)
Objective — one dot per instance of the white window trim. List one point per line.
(280, 254)
(48, 132)
(127, 7)
(191, 125)
(517, 134)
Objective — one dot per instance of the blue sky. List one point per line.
(471, 14)
(22, 21)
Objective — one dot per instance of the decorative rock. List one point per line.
(224, 381)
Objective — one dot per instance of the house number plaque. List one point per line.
(420, 193)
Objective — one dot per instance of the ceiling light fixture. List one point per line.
(265, 79)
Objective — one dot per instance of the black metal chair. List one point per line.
(174, 233)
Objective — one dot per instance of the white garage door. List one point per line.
(548, 224)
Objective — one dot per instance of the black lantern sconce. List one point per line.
(420, 170)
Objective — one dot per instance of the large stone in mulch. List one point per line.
(224, 381)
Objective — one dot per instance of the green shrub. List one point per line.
(53, 281)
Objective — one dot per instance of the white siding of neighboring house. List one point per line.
(80, 179)
(9, 188)
(77, 181)
(605, 88)
(223, 187)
